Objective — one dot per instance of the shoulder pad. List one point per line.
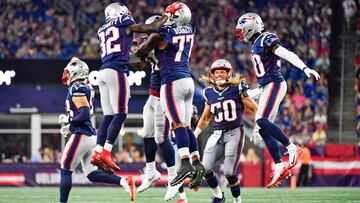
(80, 89)
(269, 40)
(243, 87)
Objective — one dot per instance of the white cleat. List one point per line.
(148, 180)
(172, 191)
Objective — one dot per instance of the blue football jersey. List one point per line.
(174, 60)
(226, 106)
(80, 89)
(115, 44)
(266, 65)
(155, 78)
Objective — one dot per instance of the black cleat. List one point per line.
(185, 171)
(198, 175)
(218, 200)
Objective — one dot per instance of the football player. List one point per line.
(225, 100)
(78, 126)
(266, 51)
(156, 131)
(115, 38)
(173, 45)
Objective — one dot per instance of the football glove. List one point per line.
(63, 119)
(65, 130)
(255, 135)
(308, 72)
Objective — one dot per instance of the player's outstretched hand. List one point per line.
(63, 119)
(65, 130)
(171, 9)
(308, 72)
(255, 136)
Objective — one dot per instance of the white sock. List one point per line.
(279, 166)
(171, 171)
(98, 148)
(150, 167)
(182, 195)
(217, 192)
(108, 147)
(291, 147)
(237, 199)
(123, 182)
(184, 151)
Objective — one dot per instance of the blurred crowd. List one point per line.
(357, 69)
(33, 29)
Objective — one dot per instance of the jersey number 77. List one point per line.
(181, 40)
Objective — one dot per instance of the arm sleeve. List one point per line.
(290, 57)
(84, 115)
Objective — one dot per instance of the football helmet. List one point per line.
(247, 25)
(149, 21)
(181, 17)
(76, 69)
(115, 10)
(220, 64)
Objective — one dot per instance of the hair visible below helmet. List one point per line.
(115, 10)
(247, 25)
(220, 64)
(181, 17)
(76, 69)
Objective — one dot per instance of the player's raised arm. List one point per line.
(293, 59)
(147, 28)
(204, 120)
(151, 43)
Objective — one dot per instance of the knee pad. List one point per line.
(209, 174)
(262, 122)
(233, 180)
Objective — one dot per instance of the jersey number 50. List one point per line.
(228, 111)
(106, 46)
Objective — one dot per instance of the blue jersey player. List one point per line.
(78, 128)
(225, 100)
(156, 130)
(173, 45)
(115, 38)
(266, 51)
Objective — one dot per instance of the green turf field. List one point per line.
(111, 195)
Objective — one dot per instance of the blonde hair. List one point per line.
(233, 81)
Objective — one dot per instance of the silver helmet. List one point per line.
(181, 17)
(247, 25)
(115, 10)
(76, 69)
(221, 64)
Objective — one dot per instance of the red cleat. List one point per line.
(278, 177)
(106, 157)
(95, 160)
(181, 201)
(294, 156)
(196, 188)
(131, 187)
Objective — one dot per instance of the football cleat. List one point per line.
(278, 176)
(198, 175)
(185, 171)
(148, 180)
(131, 187)
(95, 160)
(172, 191)
(218, 200)
(106, 157)
(294, 156)
(181, 201)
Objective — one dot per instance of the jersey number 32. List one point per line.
(107, 46)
